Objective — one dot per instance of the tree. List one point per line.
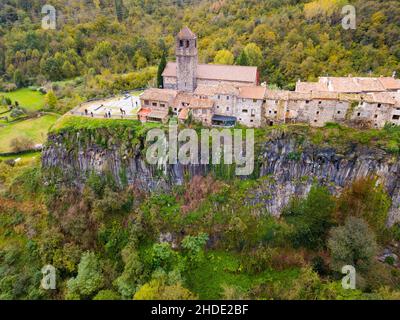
(132, 275)
(365, 199)
(107, 295)
(224, 57)
(193, 246)
(51, 100)
(68, 69)
(311, 218)
(19, 78)
(254, 54)
(352, 244)
(89, 279)
(157, 289)
(161, 67)
(242, 60)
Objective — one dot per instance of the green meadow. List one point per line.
(29, 99)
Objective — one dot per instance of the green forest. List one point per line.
(204, 239)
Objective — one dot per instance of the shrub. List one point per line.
(310, 218)
(352, 244)
(365, 199)
(20, 144)
(89, 278)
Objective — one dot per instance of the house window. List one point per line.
(270, 111)
(154, 104)
(338, 112)
(227, 97)
(219, 97)
(375, 116)
(217, 107)
(317, 112)
(254, 100)
(358, 114)
(275, 112)
(181, 43)
(379, 105)
(187, 43)
(162, 105)
(204, 111)
(227, 109)
(251, 120)
(319, 102)
(253, 112)
(146, 102)
(307, 101)
(244, 110)
(396, 117)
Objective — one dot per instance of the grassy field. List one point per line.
(27, 98)
(35, 129)
(223, 268)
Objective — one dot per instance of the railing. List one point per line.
(99, 116)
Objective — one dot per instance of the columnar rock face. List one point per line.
(187, 60)
(284, 170)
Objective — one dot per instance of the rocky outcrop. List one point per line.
(287, 167)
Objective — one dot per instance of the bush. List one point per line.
(20, 144)
(310, 218)
(352, 244)
(89, 278)
(365, 199)
(107, 295)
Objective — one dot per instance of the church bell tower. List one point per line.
(187, 59)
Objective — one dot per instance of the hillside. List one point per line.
(288, 40)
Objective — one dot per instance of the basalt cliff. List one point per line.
(286, 164)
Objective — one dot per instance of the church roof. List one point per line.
(253, 92)
(218, 72)
(156, 94)
(186, 34)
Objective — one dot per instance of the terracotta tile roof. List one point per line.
(197, 103)
(165, 95)
(186, 34)
(276, 95)
(299, 96)
(255, 92)
(390, 83)
(183, 114)
(182, 99)
(306, 87)
(369, 84)
(358, 84)
(144, 112)
(218, 72)
(158, 113)
(325, 95)
(222, 88)
(381, 97)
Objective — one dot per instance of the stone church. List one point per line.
(186, 73)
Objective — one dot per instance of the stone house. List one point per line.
(249, 106)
